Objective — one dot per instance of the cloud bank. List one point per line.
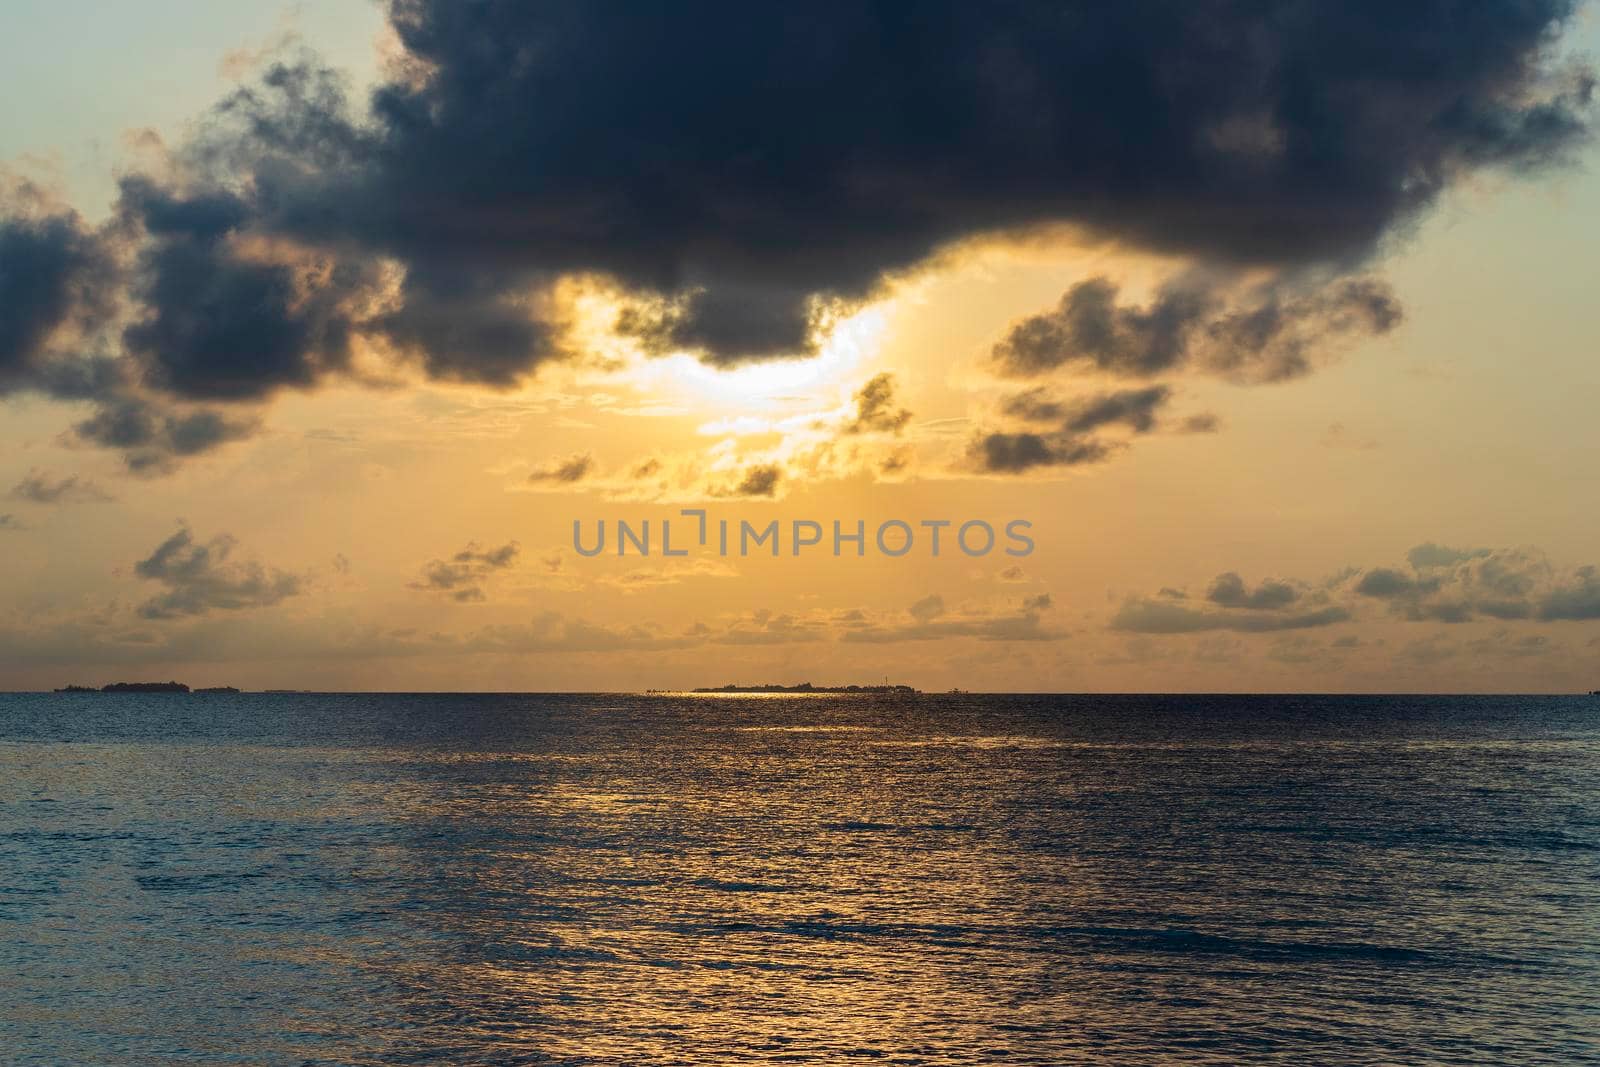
(1436, 584)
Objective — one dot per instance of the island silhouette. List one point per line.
(146, 687)
(807, 687)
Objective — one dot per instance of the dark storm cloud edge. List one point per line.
(741, 169)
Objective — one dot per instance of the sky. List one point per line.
(321, 326)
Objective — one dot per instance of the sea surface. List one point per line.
(618, 879)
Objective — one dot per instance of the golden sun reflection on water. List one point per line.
(628, 880)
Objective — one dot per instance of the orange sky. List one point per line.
(387, 531)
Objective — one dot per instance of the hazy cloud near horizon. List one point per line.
(1436, 584)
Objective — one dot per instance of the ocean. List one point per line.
(950, 879)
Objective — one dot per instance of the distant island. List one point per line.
(145, 687)
(807, 687)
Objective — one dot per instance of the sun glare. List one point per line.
(777, 383)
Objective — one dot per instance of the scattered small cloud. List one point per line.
(572, 469)
(1273, 333)
(1205, 422)
(202, 578)
(39, 488)
(876, 411)
(155, 437)
(1072, 441)
(1015, 453)
(463, 576)
(758, 481)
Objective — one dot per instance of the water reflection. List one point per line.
(666, 880)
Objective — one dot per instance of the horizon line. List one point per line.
(95, 691)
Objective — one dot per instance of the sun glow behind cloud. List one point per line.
(852, 341)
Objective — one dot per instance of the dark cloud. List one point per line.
(1275, 334)
(464, 574)
(1440, 585)
(1230, 604)
(461, 324)
(201, 578)
(1205, 422)
(1034, 405)
(875, 408)
(897, 462)
(1072, 443)
(1229, 591)
(745, 171)
(1136, 408)
(572, 469)
(1386, 582)
(55, 275)
(810, 154)
(756, 481)
(730, 323)
(59, 287)
(39, 488)
(218, 324)
(154, 437)
(1575, 600)
(1453, 585)
(1013, 453)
